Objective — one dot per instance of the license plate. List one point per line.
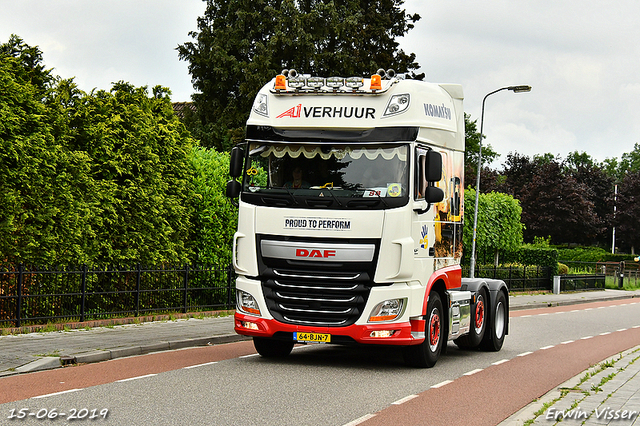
(312, 337)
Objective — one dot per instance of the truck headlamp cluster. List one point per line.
(388, 310)
(397, 104)
(247, 303)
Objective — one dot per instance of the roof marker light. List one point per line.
(376, 82)
(281, 82)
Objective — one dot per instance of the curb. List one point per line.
(539, 305)
(49, 363)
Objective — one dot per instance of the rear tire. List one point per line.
(272, 348)
(497, 325)
(478, 324)
(426, 354)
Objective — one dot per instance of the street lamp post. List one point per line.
(514, 89)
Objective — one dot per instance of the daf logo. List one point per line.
(315, 253)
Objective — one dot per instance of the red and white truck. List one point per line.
(350, 194)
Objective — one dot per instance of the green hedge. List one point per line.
(591, 254)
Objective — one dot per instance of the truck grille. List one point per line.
(328, 294)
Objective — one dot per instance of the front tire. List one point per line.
(497, 325)
(272, 348)
(426, 354)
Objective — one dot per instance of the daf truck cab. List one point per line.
(350, 195)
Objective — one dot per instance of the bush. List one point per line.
(215, 218)
(563, 269)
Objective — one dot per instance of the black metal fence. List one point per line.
(34, 296)
(582, 282)
(518, 277)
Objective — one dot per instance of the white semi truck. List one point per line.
(350, 219)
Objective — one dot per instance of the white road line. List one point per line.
(605, 333)
(200, 365)
(541, 315)
(441, 384)
(502, 361)
(56, 393)
(547, 347)
(567, 342)
(636, 326)
(469, 373)
(622, 329)
(586, 337)
(524, 353)
(405, 399)
(360, 420)
(248, 356)
(136, 378)
(525, 316)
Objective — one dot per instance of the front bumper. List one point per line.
(404, 333)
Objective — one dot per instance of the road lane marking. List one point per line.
(502, 361)
(567, 342)
(135, 378)
(547, 347)
(622, 329)
(405, 399)
(469, 373)
(524, 353)
(360, 420)
(586, 337)
(605, 333)
(441, 384)
(200, 365)
(56, 393)
(248, 356)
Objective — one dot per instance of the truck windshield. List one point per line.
(375, 174)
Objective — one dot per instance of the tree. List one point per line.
(138, 183)
(557, 205)
(588, 172)
(627, 219)
(39, 200)
(241, 44)
(499, 226)
(472, 146)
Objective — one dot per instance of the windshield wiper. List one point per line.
(293, 198)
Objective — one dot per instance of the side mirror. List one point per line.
(233, 189)
(434, 194)
(433, 166)
(235, 163)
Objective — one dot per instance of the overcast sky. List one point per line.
(582, 59)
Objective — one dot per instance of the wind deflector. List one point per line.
(377, 134)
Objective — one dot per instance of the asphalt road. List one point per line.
(329, 385)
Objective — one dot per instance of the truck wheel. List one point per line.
(497, 325)
(272, 348)
(478, 324)
(427, 353)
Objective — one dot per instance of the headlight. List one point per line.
(388, 310)
(397, 104)
(246, 303)
(260, 105)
